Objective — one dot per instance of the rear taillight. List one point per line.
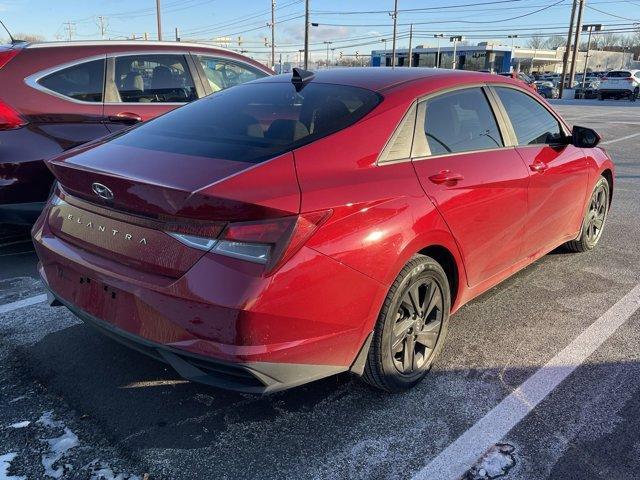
(6, 56)
(269, 242)
(9, 118)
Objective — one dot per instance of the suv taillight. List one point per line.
(9, 118)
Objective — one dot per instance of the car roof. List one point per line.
(383, 78)
(133, 43)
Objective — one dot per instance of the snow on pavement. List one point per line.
(5, 464)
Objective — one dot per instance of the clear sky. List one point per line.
(338, 21)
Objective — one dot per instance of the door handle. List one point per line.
(128, 118)
(446, 176)
(538, 167)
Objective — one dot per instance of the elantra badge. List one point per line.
(102, 191)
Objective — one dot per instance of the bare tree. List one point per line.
(536, 42)
(28, 37)
(555, 41)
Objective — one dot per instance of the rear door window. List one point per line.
(84, 81)
(532, 123)
(154, 79)
(254, 122)
(221, 73)
(460, 121)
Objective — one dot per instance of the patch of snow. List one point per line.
(58, 447)
(5, 463)
(493, 464)
(100, 471)
(47, 420)
(17, 399)
(23, 424)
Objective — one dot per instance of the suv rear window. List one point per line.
(254, 122)
(618, 74)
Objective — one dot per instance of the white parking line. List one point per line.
(620, 139)
(26, 302)
(462, 454)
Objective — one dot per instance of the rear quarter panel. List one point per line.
(381, 216)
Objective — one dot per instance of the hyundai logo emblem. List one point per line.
(102, 191)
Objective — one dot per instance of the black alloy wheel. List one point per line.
(411, 327)
(594, 218)
(417, 326)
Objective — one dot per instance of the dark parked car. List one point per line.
(299, 226)
(547, 89)
(588, 89)
(55, 96)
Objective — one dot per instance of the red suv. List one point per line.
(294, 227)
(55, 96)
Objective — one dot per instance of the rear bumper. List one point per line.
(21, 213)
(221, 323)
(257, 377)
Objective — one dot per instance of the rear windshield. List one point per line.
(255, 121)
(618, 74)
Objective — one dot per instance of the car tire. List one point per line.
(596, 214)
(600, 97)
(408, 337)
(634, 94)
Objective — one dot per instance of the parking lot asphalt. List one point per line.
(99, 410)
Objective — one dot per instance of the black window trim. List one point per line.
(34, 79)
(420, 150)
(203, 77)
(110, 86)
(563, 127)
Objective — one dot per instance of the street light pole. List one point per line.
(455, 39)
(512, 37)
(438, 36)
(589, 28)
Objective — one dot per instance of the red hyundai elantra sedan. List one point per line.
(299, 226)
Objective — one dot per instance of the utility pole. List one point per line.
(273, 34)
(306, 34)
(589, 28)
(576, 43)
(512, 37)
(410, 40)
(159, 19)
(395, 24)
(327, 43)
(177, 35)
(438, 36)
(102, 26)
(70, 26)
(567, 50)
(146, 35)
(455, 39)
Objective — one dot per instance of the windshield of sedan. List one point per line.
(255, 121)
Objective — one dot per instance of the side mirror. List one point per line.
(584, 137)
